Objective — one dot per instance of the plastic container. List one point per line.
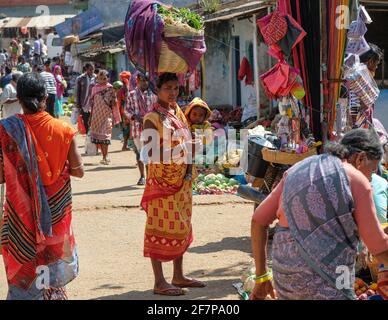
(257, 166)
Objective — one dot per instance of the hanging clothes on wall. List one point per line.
(245, 72)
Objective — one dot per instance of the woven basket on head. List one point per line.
(169, 61)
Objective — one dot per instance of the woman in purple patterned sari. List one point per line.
(324, 205)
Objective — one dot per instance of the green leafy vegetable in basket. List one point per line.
(182, 15)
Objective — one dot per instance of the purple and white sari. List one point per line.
(322, 233)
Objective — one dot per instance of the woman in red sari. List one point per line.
(167, 198)
(38, 155)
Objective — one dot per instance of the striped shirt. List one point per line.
(139, 104)
(50, 82)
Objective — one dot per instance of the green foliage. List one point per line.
(182, 15)
(210, 6)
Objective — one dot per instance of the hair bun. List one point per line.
(31, 103)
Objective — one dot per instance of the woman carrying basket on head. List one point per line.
(167, 197)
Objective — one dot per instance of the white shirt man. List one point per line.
(8, 100)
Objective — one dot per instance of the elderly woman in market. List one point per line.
(167, 198)
(324, 205)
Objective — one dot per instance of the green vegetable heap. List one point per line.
(215, 184)
(182, 15)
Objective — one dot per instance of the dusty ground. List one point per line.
(109, 231)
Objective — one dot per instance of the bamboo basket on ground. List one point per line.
(169, 61)
(286, 158)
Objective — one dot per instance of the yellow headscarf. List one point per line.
(197, 102)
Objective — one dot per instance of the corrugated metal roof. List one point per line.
(47, 21)
(244, 8)
(112, 49)
(10, 22)
(28, 11)
(34, 22)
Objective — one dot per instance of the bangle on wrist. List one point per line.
(80, 166)
(265, 279)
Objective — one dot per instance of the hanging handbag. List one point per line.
(273, 27)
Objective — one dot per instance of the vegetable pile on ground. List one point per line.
(181, 16)
(68, 106)
(67, 109)
(215, 184)
(363, 291)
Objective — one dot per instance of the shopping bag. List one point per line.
(90, 147)
(81, 126)
(74, 116)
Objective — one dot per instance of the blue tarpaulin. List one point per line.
(82, 24)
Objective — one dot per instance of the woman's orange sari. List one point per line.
(167, 198)
(36, 227)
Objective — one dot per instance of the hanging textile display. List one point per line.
(307, 58)
(357, 44)
(284, 81)
(335, 46)
(282, 33)
(363, 91)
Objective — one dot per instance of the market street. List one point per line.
(109, 230)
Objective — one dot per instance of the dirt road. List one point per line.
(109, 227)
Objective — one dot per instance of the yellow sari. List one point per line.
(167, 198)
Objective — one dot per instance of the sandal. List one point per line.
(191, 284)
(141, 182)
(104, 162)
(172, 292)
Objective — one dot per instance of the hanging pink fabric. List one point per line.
(273, 27)
(280, 29)
(279, 80)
